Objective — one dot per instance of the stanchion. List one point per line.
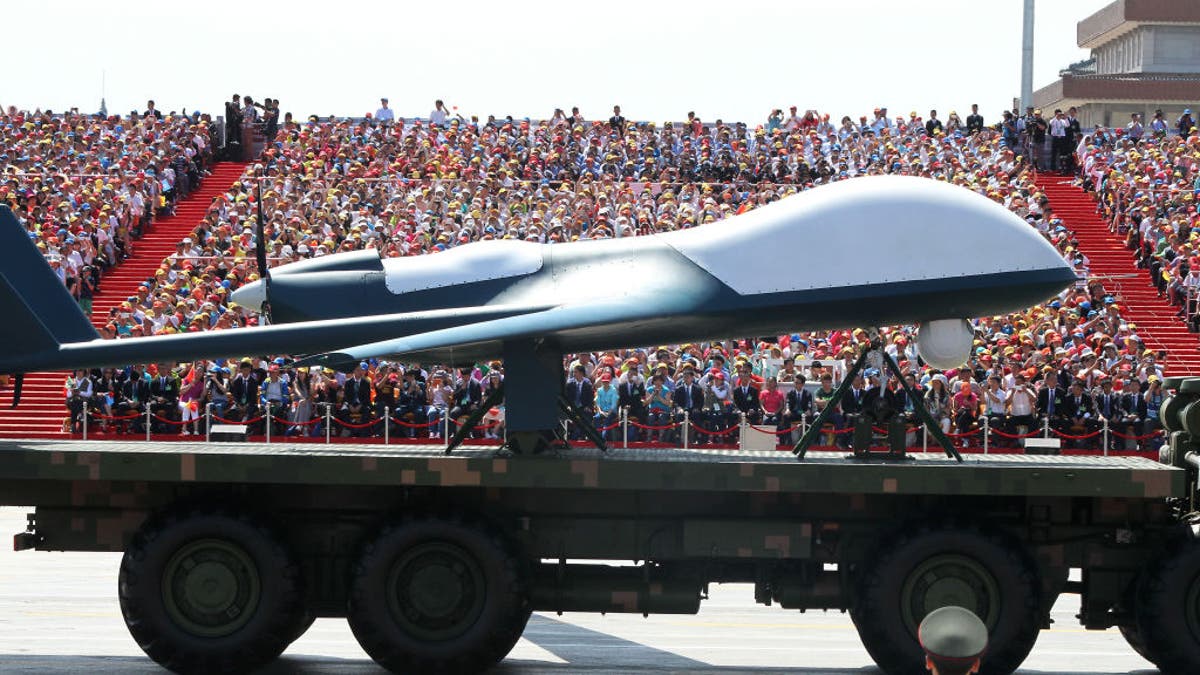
(84, 421)
(742, 430)
(1046, 427)
(446, 429)
(328, 422)
(685, 432)
(625, 427)
(924, 438)
(387, 419)
(1104, 435)
(269, 420)
(148, 422)
(208, 422)
(987, 436)
(803, 426)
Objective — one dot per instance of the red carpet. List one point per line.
(1155, 318)
(42, 409)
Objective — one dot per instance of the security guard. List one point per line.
(954, 640)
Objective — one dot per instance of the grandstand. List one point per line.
(413, 188)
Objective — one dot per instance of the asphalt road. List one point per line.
(59, 614)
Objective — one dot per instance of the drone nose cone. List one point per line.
(253, 295)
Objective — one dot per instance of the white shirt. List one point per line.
(438, 116)
(1022, 402)
(385, 114)
(995, 401)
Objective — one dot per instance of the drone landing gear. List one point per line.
(532, 394)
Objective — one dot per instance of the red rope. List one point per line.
(706, 432)
(222, 420)
(1069, 437)
(351, 425)
(311, 422)
(1030, 434)
(413, 425)
(1152, 434)
(654, 428)
(163, 419)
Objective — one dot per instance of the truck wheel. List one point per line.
(928, 568)
(1168, 608)
(209, 591)
(1134, 637)
(438, 595)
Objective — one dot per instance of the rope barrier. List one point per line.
(1069, 437)
(252, 420)
(718, 432)
(315, 420)
(1144, 437)
(168, 421)
(352, 425)
(1003, 434)
(414, 425)
(650, 427)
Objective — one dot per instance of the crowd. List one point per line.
(86, 186)
(412, 187)
(1148, 184)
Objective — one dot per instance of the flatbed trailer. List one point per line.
(231, 550)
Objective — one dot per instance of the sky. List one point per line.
(734, 60)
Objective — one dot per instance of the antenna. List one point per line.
(103, 88)
(1027, 56)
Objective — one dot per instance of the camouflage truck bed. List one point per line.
(25, 463)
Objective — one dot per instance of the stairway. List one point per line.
(1107, 254)
(42, 411)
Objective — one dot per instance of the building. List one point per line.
(1145, 55)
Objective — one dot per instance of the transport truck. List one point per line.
(437, 560)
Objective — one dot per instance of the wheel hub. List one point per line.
(950, 579)
(211, 588)
(436, 591)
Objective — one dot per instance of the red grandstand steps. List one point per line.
(1107, 254)
(42, 412)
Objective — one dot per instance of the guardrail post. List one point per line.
(803, 426)
(1046, 427)
(328, 422)
(208, 422)
(686, 430)
(269, 419)
(84, 421)
(1104, 435)
(386, 420)
(148, 422)
(741, 430)
(924, 438)
(625, 427)
(446, 429)
(987, 424)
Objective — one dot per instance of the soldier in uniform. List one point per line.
(954, 640)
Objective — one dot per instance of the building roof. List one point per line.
(1122, 16)
(1151, 88)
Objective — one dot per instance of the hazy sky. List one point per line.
(735, 59)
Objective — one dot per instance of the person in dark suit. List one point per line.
(164, 399)
(974, 120)
(133, 397)
(689, 397)
(631, 395)
(745, 399)
(581, 396)
(467, 395)
(1051, 402)
(798, 405)
(244, 391)
(1134, 411)
(1081, 416)
(356, 403)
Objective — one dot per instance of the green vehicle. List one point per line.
(437, 560)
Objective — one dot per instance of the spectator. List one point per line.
(385, 115)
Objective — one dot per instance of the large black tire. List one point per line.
(438, 595)
(930, 567)
(1134, 637)
(209, 591)
(1168, 608)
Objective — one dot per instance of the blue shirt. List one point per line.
(607, 398)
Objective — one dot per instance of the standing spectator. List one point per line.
(1051, 402)
(581, 396)
(1060, 145)
(244, 392)
(933, 126)
(79, 394)
(1186, 124)
(1022, 404)
(746, 397)
(799, 404)
(770, 403)
(356, 402)
(438, 396)
(1158, 125)
(276, 396)
(385, 115)
(468, 395)
(658, 406)
(1134, 130)
(151, 111)
(233, 127)
(689, 398)
(617, 122)
(937, 402)
(1134, 410)
(965, 404)
(437, 117)
(974, 120)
